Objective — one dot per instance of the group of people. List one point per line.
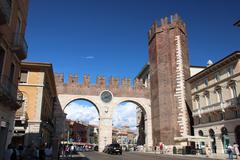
(67, 150)
(231, 151)
(29, 152)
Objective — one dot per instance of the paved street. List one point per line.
(131, 156)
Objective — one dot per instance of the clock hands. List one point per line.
(106, 96)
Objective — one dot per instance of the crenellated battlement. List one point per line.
(120, 87)
(166, 24)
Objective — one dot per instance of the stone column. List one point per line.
(148, 127)
(105, 132)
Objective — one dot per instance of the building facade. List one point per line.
(92, 134)
(124, 137)
(13, 49)
(216, 102)
(76, 131)
(37, 112)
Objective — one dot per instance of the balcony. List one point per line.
(20, 46)
(234, 102)
(207, 109)
(5, 11)
(9, 93)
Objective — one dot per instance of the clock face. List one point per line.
(106, 96)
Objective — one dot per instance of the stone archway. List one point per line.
(105, 111)
(144, 105)
(121, 91)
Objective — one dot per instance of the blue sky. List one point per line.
(109, 37)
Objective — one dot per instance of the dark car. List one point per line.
(114, 148)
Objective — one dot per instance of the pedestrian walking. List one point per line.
(11, 153)
(42, 152)
(67, 150)
(72, 148)
(230, 152)
(30, 152)
(236, 150)
(208, 151)
(48, 152)
(20, 151)
(161, 147)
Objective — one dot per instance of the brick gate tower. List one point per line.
(169, 67)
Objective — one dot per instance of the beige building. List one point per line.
(92, 134)
(124, 136)
(216, 103)
(40, 118)
(13, 49)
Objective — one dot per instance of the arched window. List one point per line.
(233, 89)
(202, 143)
(213, 140)
(218, 91)
(197, 102)
(225, 137)
(200, 133)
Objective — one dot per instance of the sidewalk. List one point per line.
(213, 156)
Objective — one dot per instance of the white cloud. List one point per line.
(88, 57)
(123, 114)
(85, 113)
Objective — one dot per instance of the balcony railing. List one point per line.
(9, 92)
(232, 102)
(20, 46)
(5, 11)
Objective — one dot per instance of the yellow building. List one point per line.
(216, 103)
(35, 120)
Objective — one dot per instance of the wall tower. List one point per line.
(169, 68)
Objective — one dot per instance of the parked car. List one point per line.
(114, 148)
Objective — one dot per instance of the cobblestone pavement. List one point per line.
(132, 156)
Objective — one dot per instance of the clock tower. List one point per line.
(169, 68)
